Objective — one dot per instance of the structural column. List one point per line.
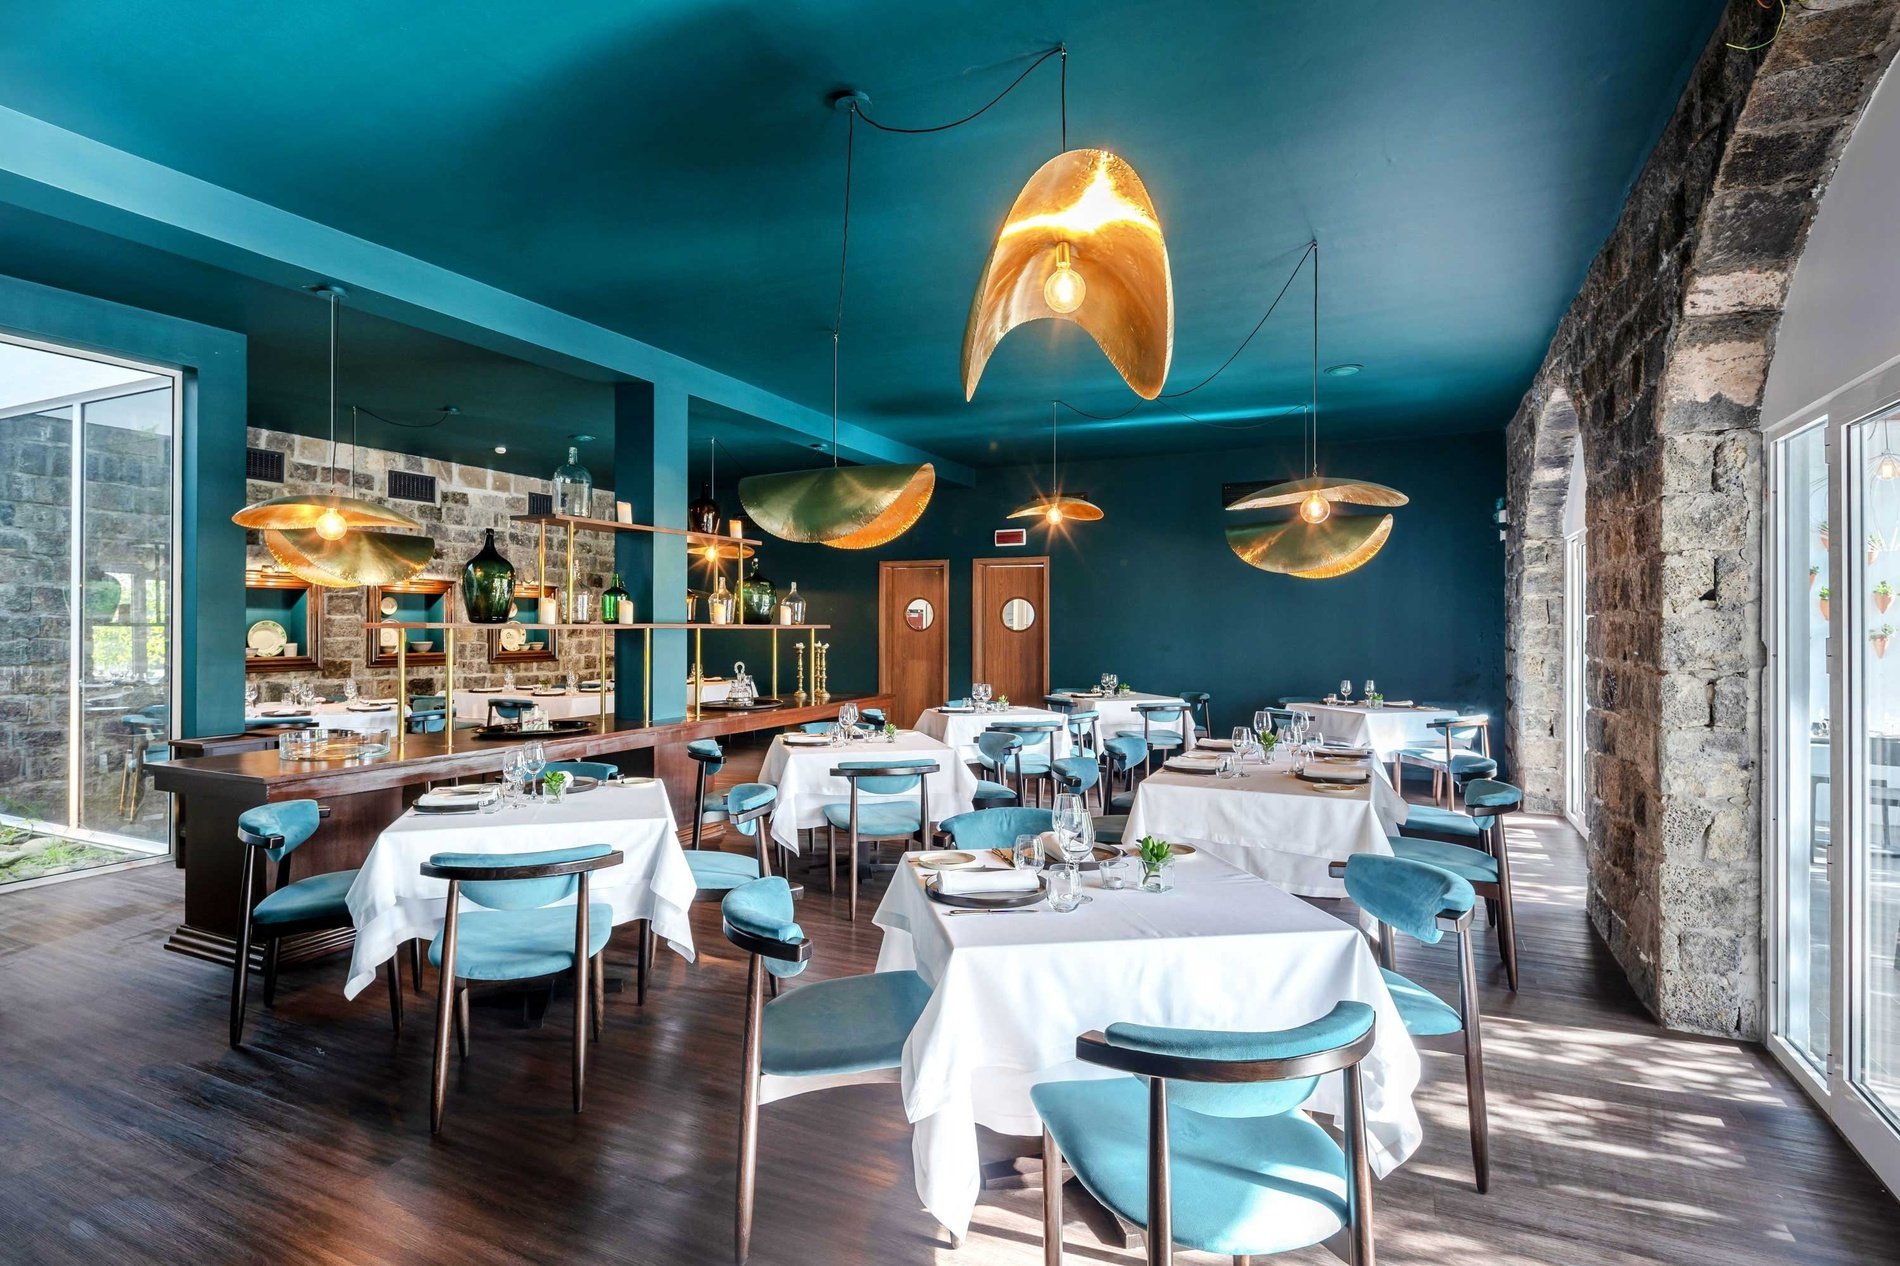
(650, 471)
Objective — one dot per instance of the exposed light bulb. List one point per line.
(1887, 467)
(1053, 513)
(331, 526)
(1065, 289)
(1315, 509)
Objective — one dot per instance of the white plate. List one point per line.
(513, 637)
(806, 740)
(266, 637)
(387, 606)
(1336, 788)
(949, 861)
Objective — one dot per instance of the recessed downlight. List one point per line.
(501, 448)
(1343, 371)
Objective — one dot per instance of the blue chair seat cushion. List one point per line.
(1424, 1012)
(1157, 737)
(301, 900)
(1110, 827)
(878, 821)
(853, 1025)
(522, 944)
(714, 869)
(1422, 819)
(1474, 866)
(1079, 773)
(987, 791)
(1463, 764)
(1247, 1185)
(1122, 801)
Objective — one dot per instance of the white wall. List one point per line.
(1838, 348)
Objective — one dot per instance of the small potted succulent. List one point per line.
(1874, 545)
(1883, 597)
(555, 783)
(1823, 596)
(1812, 573)
(890, 732)
(1879, 637)
(1157, 864)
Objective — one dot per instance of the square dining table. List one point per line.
(1269, 821)
(958, 728)
(391, 901)
(1119, 715)
(1383, 729)
(806, 785)
(1011, 992)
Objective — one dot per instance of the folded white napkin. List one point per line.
(1217, 745)
(963, 883)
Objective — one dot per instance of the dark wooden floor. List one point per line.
(129, 1132)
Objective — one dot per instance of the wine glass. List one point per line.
(1345, 689)
(534, 759)
(250, 695)
(848, 718)
(1069, 811)
(1372, 687)
(514, 776)
(1028, 852)
(1108, 683)
(980, 692)
(349, 690)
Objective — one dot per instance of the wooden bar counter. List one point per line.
(363, 797)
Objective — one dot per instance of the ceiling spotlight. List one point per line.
(501, 448)
(1343, 371)
(580, 439)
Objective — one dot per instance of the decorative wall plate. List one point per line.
(388, 606)
(513, 637)
(267, 638)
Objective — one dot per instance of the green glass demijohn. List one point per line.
(610, 601)
(488, 584)
(759, 595)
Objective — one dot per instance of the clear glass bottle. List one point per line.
(720, 605)
(610, 601)
(573, 487)
(791, 607)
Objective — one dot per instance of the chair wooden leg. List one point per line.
(240, 978)
(749, 1110)
(1474, 1065)
(853, 867)
(643, 963)
(395, 996)
(415, 965)
(1507, 908)
(270, 970)
(444, 1021)
(599, 978)
(1051, 1201)
(461, 1021)
(582, 994)
(831, 858)
(1160, 1229)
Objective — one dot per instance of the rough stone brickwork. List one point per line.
(1659, 366)
(469, 500)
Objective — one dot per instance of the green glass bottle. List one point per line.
(610, 601)
(759, 596)
(488, 584)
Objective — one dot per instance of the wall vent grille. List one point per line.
(264, 464)
(407, 486)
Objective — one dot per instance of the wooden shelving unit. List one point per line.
(614, 525)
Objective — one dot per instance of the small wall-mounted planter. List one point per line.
(1823, 603)
(1883, 597)
(1880, 645)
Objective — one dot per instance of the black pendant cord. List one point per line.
(844, 257)
(1313, 408)
(1060, 50)
(332, 296)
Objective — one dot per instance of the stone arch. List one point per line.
(1534, 647)
(1664, 354)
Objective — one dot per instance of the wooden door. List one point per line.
(913, 636)
(1009, 627)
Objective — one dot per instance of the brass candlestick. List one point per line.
(799, 696)
(821, 676)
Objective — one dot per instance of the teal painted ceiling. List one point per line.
(671, 170)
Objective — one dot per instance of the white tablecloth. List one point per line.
(330, 716)
(1384, 730)
(1269, 822)
(472, 705)
(391, 902)
(805, 785)
(1012, 992)
(1119, 715)
(959, 729)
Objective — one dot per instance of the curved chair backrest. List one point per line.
(1125, 751)
(1418, 899)
(1487, 800)
(874, 716)
(428, 714)
(757, 918)
(1202, 702)
(747, 803)
(1161, 711)
(819, 727)
(1058, 703)
(1466, 726)
(279, 829)
(582, 769)
(508, 709)
(994, 748)
(1033, 734)
(521, 881)
(886, 777)
(708, 753)
(996, 828)
(1236, 1074)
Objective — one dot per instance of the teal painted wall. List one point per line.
(1153, 593)
(210, 453)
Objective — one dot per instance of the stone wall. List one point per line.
(1659, 366)
(469, 500)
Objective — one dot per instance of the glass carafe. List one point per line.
(720, 604)
(573, 487)
(791, 608)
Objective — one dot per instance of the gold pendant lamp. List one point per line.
(334, 540)
(1081, 243)
(845, 507)
(1318, 544)
(1054, 506)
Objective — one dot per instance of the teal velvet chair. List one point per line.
(1287, 701)
(1201, 702)
(1085, 731)
(1473, 846)
(1205, 1145)
(878, 821)
(507, 709)
(832, 1033)
(994, 749)
(1163, 727)
(1080, 775)
(874, 716)
(582, 769)
(711, 758)
(1464, 755)
(995, 828)
(517, 933)
(1059, 703)
(1126, 753)
(1426, 902)
(428, 714)
(271, 834)
(1034, 756)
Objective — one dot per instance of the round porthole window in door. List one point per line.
(1018, 614)
(920, 615)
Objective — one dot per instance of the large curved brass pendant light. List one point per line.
(334, 540)
(845, 507)
(1054, 506)
(1319, 544)
(1081, 243)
